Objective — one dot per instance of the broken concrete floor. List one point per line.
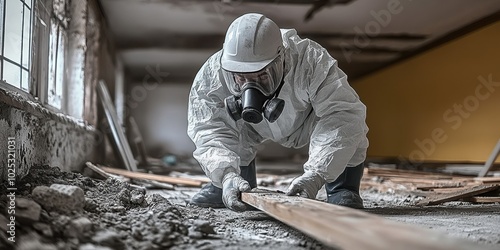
(113, 215)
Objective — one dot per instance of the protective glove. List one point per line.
(306, 185)
(232, 186)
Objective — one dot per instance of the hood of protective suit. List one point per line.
(321, 109)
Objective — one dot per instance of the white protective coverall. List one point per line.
(321, 109)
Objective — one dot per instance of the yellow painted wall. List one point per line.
(439, 100)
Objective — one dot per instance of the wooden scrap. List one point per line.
(201, 178)
(482, 199)
(150, 184)
(118, 135)
(154, 177)
(98, 170)
(346, 228)
(487, 180)
(107, 175)
(406, 173)
(491, 160)
(438, 185)
(139, 142)
(453, 196)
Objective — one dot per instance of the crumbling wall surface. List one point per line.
(33, 136)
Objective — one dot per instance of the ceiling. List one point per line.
(363, 35)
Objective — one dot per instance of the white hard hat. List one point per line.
(252, 42)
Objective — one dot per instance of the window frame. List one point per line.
(28, 92)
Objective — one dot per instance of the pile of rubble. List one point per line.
(60, 210)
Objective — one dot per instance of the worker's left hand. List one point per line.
(232, 186)
(306, 185)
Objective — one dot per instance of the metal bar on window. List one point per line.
(26, 50)
(17, 64)
(22, 46)
(2, 36)
(25, 3)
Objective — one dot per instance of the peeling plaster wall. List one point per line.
(42, 137)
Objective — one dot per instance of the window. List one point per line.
(57, 53)
(15, 42)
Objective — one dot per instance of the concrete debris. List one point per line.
(78, 228)
(3, 223)
(92, 247)
(43, 228)
(27, 211)
(35, 245)
(200, 229)
(109, 238)
(124, 196)
(32, 242)
(131, 197)
(137, 197)
(60, 198)
(90, 205)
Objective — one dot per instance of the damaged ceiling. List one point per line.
(363, 35)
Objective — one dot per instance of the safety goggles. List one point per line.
(266, 80)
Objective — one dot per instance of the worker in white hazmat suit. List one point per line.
(270, 84)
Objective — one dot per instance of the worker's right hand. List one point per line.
(232, 186)
(307, 185)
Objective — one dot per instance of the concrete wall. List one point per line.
(42, 137)
(443, 105)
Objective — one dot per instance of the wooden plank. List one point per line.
(491, 160)
(486, 180)
(139, 142)
(433, 186)
(482, 199)
(346, 228)
(154, 177)
(108, 175)
(149, 182)
(98, 170)
(403, 172)
(453, 196)
(119, 138)
(202, 178)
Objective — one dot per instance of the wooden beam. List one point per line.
(108, 175)
(139, 142)
(488, 180)
(118, 135)
(347, 228)
(453, 196)
(482, 199)
(154, 177)
(98, 170)
(491, 160)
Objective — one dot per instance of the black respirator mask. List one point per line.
(252, 105)
(255, 94)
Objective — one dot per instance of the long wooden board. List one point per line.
(453, 196)
(154, 177)
(119, 138)
(483, 199)
(347, 228)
